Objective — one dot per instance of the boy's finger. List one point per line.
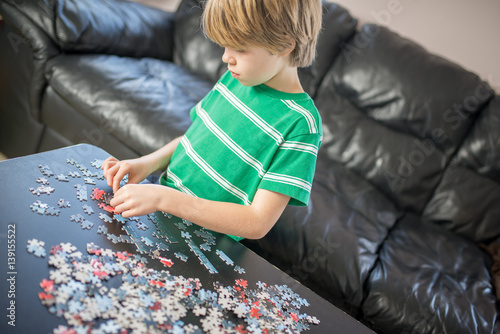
(109, 174)
(120, 174)
(107, 163)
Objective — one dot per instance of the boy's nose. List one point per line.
(227, 57)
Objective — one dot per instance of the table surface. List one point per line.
(154, 238)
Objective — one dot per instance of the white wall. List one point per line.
(466, 32)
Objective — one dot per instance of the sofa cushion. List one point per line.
(192, 50)
(337, 27)
(116, 27)
(397, 119)
(332, 244)
(429, 280)
(467, 198)
(144, 103)
(107, 26)
(197, 53)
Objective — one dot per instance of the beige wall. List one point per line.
(464, 31)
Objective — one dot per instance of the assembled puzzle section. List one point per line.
(146, 298)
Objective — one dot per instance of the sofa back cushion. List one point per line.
(468, 196)
(197, 53)
(192, 50)
(116, 27)
(395, 113)
(337, 27)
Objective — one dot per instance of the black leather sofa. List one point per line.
(407, 182)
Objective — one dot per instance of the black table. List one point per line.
(42, 197)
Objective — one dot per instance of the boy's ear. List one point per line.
(287, 51)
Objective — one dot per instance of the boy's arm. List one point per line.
(251, 221)
(161, 157)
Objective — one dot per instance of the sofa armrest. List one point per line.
(25, 49)
(116, 27)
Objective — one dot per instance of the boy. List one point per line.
(252, 147)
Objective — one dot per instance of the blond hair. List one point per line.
(270, 24)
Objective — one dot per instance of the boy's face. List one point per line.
(254, 65)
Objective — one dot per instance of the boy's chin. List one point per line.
(248, 83)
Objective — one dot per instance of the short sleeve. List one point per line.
(292, 169)
(192, 113)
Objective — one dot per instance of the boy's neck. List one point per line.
(287, 81)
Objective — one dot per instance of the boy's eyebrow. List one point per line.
(234, 46)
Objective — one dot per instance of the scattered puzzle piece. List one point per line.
(166, 262)
(52, 211)
(45, 170)
(210, 242)
(224, 257)
(153, 218)
(62, 178)
(180, 226)
(181, 256)
(203, 259)
(97, 163)
(42, 180)
(81, 192)
(239, 270)
(74, 174)
(35, 247)
(97, 194)
(63, 203)
(78, 218)
(205, 247)
(119, 218)
(42, 190)
(86, 224)
(107, 208)
(88, 209)
(185, 235)
(126, 239)
(39, 207)
(86, 173)
(204, 234)
(88, 180)
(102, 229)
(160, 245)
(140, 225)
(104, 217)
(241, 282)
(113, 238)
(187, 222)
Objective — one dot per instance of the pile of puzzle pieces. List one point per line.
(83, 289)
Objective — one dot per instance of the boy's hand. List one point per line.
(115, 171)
(137, 199)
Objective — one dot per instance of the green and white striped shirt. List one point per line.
(247, 138)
